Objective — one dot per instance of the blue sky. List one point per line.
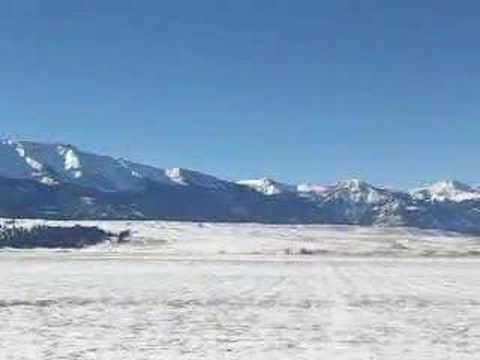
(295, 90)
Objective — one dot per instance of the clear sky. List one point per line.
(387, 91)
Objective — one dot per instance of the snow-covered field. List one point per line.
(245, 291)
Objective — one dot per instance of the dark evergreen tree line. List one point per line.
(55, 237)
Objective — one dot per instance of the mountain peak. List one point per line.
(267, 186)
(451, 185)
(358, 191)
(451, 190)
(354, 185)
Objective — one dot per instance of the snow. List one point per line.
(88, 200)
(106, 173)
(267, 186)
(353, 190)
(48, 181)
(72, 161)
(31, 163)
(189, 177)
(175, 174)
(184, 239)
(11, 165)
(53, 163)
(66, 163)
(35, 165)
(146, 172)
(447, 190)
(312, 188)
(226, 291)
(353, 184)
(20, 150)
(358, 192)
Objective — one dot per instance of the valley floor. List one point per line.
(189, 291)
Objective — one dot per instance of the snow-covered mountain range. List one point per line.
(61, 181)
(52, 164)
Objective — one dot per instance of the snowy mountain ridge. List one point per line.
(447, 190)
(268, 186)
(62, 181)
(54, 163)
